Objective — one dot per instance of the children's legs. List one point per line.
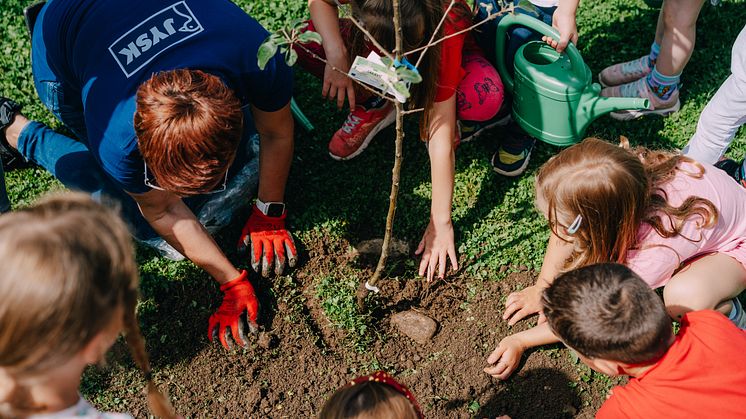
(679, 27)
(480, 93)
(708, 283)
(724, 113)
(719, 121)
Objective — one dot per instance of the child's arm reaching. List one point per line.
(528, 301)
(564, 21)
(325, 17)
(506, 357)
(437, 243)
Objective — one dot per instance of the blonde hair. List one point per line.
(368, 400)
(68, 264)
(615, 190)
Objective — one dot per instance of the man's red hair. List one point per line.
(188, 125)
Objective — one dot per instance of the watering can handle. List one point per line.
(513, 19)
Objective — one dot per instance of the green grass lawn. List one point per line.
(494, 217)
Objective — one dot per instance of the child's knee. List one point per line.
(681, 14)
(480, 94)
(677, 297)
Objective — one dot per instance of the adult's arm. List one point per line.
(275, 151)
(176, 223)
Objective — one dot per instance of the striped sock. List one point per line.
(663, 86)
(655, 49)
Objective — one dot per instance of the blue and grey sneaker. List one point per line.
(472, 129)
(11, 158)
(513, 152)
(736, 170)
(737, 314)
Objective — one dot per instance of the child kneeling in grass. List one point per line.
(619, 326)
(677, 223)
(69, 286)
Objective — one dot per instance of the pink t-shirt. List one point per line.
(657, 258)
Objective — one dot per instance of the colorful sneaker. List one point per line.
(361, 126)
(734, 169)
(513, 153)
(472, 129)
(623, 73)
(11, 158)
(640, 88)
(737, 314)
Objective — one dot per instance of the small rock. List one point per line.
(265, 340)
(416, 326)
(402, 357)
(503, 269)
(409, 364)
(416, 358)
(570, 410)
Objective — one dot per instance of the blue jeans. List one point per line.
(71, 162)
(4, 201)
(517, 36)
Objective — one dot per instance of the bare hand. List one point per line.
(566, 25)
(505, 358)
(337, 85)
(523, 303)
(436, 246)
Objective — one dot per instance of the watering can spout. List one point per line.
(602, 105)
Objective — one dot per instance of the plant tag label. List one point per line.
(373, 72)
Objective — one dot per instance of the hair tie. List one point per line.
(384, 378)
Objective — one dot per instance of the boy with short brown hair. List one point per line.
(619, 326)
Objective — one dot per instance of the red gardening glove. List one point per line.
(270, 242)
(238, 297)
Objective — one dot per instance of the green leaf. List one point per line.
(291, 57)
(309, 36)
(278, 38)
(265, 53)
(298, 24)
(408, 75)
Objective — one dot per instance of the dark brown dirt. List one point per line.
(300, 359)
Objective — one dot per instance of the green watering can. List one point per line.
(553, 97)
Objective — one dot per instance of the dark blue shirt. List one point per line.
(107, 48)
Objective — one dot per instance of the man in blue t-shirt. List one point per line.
(163, 96)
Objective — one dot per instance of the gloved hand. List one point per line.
(238, 297)
(270, 242)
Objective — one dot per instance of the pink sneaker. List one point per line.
(624, 73)
(640, 88)
(359, 129)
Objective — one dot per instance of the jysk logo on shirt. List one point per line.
(141, 44)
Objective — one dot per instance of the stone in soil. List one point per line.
(416, 326)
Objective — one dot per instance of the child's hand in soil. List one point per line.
(524, 303)
(437, 245)
(505, 358)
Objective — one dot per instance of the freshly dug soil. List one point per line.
(301, 358)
